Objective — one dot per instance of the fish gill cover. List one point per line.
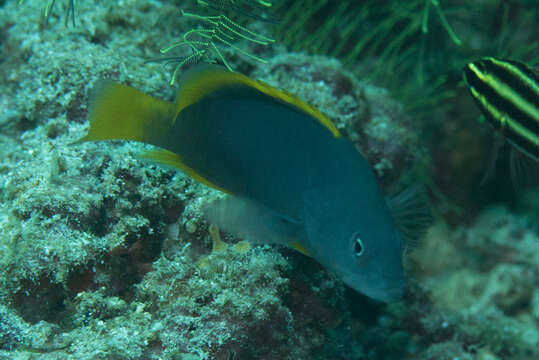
(105, 256)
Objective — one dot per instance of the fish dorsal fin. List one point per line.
(171, 159)
(206, 79)
(411, 212)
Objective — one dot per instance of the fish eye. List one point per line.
(359, 249)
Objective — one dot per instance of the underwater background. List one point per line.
(105, 256)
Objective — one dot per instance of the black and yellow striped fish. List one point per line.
(507, 92)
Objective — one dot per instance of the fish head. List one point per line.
(356, 238)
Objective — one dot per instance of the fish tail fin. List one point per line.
(121, 112)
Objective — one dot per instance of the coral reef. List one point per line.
(104, 256)
(487, 275)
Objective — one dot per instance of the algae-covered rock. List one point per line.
(104, 256)
(487, 274)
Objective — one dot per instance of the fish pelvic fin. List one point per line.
(298, 247)
(120, 112)
(175, 161)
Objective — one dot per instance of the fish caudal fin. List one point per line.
(121, 112)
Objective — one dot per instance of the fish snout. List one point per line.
(381, 288)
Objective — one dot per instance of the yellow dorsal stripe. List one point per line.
(524, 132)
(201, 82)
(501, 117)
(504, 119)
(507, 92)
(518, 73)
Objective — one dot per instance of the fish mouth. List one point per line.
(390, 294)
(385, 289)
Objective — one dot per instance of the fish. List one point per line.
(507, 93)
(290, 176)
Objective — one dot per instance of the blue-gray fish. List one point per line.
(292, 178)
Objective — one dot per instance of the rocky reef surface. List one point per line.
(104, 256)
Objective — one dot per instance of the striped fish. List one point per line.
(507, 92)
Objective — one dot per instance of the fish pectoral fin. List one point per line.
(522, 170)
(253, 221)
(412, 215)
(173, 160)
(491, 169)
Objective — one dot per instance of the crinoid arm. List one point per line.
(206, 42)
